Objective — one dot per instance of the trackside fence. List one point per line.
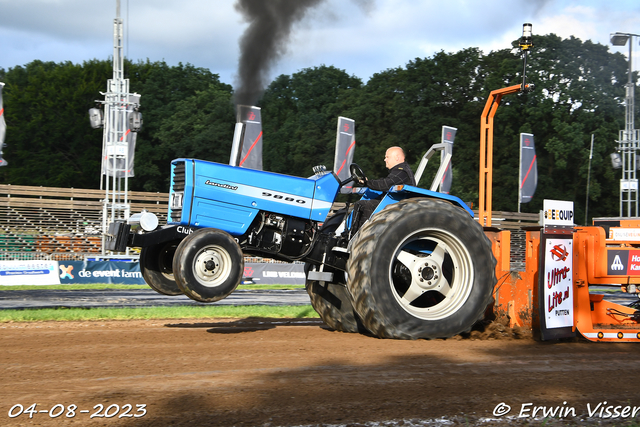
(52, 223)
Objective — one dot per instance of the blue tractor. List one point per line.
(420, 267)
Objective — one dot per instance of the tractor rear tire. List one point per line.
(331, 300)
(208, 265)
(333, 303)
(156, 266)
(421, 268)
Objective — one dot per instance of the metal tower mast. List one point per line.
(116, 146)
(628, 143)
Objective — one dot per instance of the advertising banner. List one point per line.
(624, 234)
(29, 273)
(3, 124)
(110, 272)
(127, 273)
(623, 262)
(558, 277)
(528, 168)
(273, 274)
(345, 148)
(251, 154)
(555, 284)
(557, 213)
(448, 136)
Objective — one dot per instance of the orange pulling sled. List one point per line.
(552, 295)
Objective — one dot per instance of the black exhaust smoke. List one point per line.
(264, 41)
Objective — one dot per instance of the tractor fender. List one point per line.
(401, 192)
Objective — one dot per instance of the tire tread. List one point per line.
(360, 263)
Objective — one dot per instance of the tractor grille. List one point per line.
(176, 199)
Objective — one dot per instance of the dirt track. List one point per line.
(296, 372)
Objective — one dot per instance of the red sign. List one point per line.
(623, 263)
(634, 263)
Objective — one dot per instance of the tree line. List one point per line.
(188, 112)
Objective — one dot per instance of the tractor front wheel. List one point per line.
(208, 265)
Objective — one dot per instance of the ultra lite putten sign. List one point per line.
(558, 290)
(556, 246)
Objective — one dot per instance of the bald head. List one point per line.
(394, 156)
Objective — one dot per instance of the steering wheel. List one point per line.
(357, 174)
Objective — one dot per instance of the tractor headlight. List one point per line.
(146, 220)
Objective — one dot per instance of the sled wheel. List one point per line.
(421, 268)
(331, 300)
(156, 265)
(208, 265)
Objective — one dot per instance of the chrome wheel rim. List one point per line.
(431, 274)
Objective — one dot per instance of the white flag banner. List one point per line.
(3, 127)
(528, 168)
(345, 148)
(448, 136)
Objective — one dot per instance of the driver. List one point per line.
(399, 173)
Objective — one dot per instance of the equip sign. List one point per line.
(557, 213)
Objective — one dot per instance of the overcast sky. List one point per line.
(362, 37)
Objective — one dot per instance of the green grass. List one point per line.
(184, 312)
(181, 312)
(107, 286)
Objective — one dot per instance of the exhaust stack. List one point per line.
(246, 150)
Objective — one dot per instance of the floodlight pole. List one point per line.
(115, 144)
(628, 138)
